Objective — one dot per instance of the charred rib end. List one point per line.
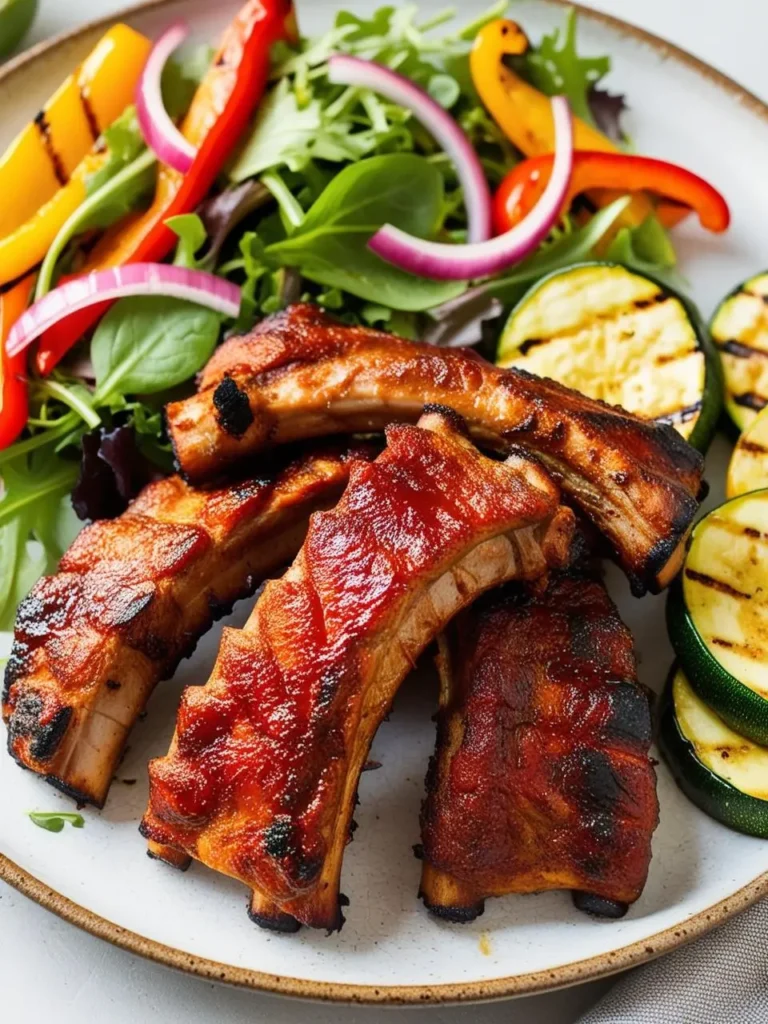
(268, 916)
(454, 915)
(168, 855)
(598, 906)
(233, 410)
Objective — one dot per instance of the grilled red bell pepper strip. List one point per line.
(218, 116)
(14, 409)
(680, 191)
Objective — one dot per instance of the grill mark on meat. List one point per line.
(527, 708)
(305, 374)
(417, 535)
(131, 599)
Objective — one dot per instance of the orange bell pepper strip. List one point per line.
(524, 113)
(14, 409)
(525, 184)
(44, 156)
(219, 114)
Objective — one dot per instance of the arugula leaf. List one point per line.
(647, 249)
(124, 142)
(54, 821)
(192, 236)
(555, 67)
(330, 247)
(145, 345)
(282, 133)
(117, 197)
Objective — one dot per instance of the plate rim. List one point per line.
(590, 969)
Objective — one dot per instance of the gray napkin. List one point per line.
(721, 979)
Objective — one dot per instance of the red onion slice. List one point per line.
(445, 262)
(196, 286)
(366, 74)
(160, 133)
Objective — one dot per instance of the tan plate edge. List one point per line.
(501, 988)
(524, 984)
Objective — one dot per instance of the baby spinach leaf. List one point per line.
(330, 247)
(145, 345)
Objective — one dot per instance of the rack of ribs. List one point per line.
(132, 597)
(301, 374)
(541, 778)
(261, 778)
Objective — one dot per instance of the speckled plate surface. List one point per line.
(389, 950)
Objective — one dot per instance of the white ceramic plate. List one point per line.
(390, 950)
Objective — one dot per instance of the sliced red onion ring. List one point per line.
(160, 133)
(196, 286)
(445, 262)
(366, 74)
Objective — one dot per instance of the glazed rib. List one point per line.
(301, 374)
(541, 778)
(261, 777)
(131, 599)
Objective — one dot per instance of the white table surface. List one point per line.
(51, 971)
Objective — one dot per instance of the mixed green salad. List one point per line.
(316, 171)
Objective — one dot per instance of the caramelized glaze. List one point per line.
(131, 598)
(541, 778)
(261, 778)
(301, 374)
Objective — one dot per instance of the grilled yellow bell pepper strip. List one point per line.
(525, 115)
(45, 156)
(27, 246)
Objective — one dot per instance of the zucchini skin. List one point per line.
(736, 419)
(711, 794)
(745, 711)
(713, 399)
(714, 386)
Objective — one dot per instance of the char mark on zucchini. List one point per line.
(615, 335)
(132, 597)
(261, 779)
(307, 375)
(740, 332)
(542, 750)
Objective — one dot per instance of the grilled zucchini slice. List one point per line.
(717, 614)
(718, 770)
(748, 470)
(616, 335)
(740, 332)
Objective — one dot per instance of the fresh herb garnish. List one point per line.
(54, 821)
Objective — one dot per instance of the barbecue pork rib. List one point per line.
(132, 598)
(301, 374)
(541, 778)
(261, 778)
